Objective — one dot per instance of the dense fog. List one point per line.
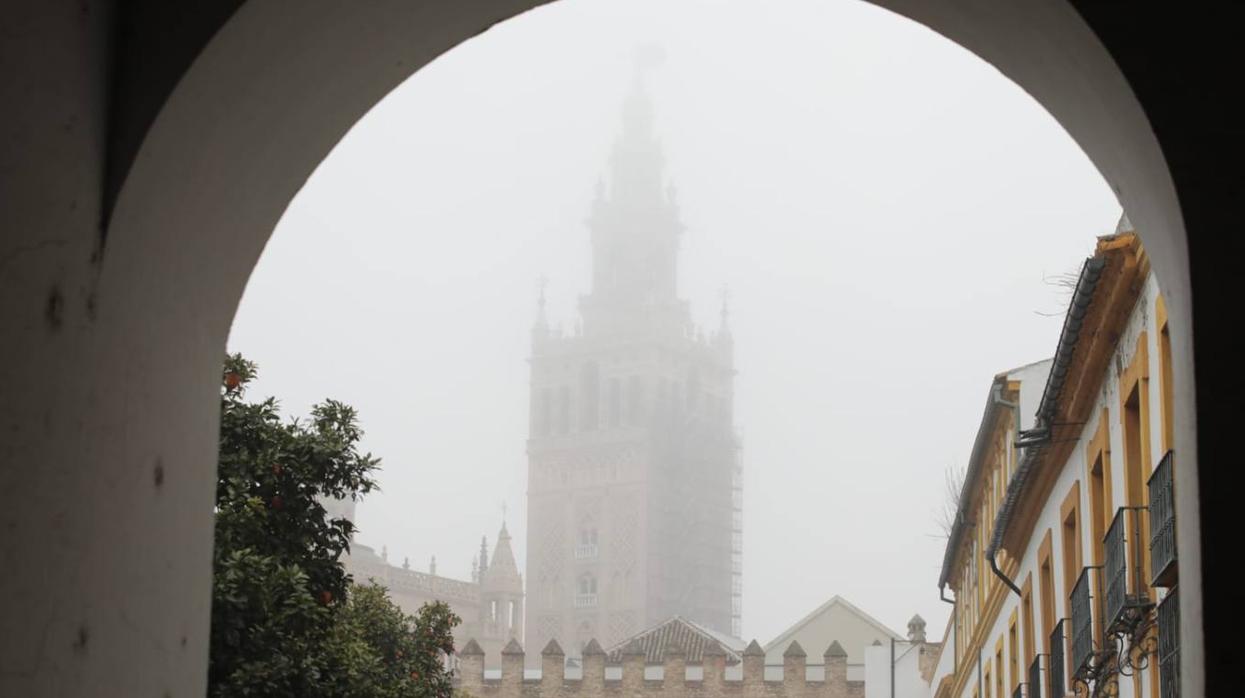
(884, 218)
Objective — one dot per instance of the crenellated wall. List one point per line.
(553, 682)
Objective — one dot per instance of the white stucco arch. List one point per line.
(114, 596)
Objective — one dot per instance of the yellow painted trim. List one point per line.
(1115, 298)
(1166, 396)
(1136, 377)
(1098, 451)
(1046, 606)
(1026, 628)
(977, 638)
(1013, 649)
(1000, 677)
(980, 504)
(1070, 508)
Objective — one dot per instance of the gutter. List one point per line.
(1021, 468)
(974, 470)
(1034, 440)
(1086, 283)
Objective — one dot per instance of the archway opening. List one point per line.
(228, 150)
(865, 187)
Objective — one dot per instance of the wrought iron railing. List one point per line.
(1169, 645)
(1115, 569)
(1035, 678)
(1126, 596)
(1019, 692)
(585, 600)
(586, 551)
(1082, 659)
(1057, 677)
(1162, 524)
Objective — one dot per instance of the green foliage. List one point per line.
(393, 654)
(285, 619)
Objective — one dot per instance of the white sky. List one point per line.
(882, 204)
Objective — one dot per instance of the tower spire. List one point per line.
(635, 222)
(540, 329)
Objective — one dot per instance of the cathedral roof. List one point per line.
(691, 638)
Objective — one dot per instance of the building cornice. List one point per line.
(1067, 404)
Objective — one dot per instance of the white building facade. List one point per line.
(1062, 561)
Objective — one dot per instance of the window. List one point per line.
(1135, 417)
(1134, 449)
(1046, 590)
(590, 395)
(1070, 513)
(998, 662)
(1013, 652)
(1165, 371)
(1101, 510)
(587, 547)
(1026, 610)
(587, 591)
(1098, 456)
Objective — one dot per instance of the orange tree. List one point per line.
(283, 620)
(388, 653)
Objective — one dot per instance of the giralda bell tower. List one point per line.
(634, 501)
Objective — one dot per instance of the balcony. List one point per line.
(586, 551)
(1082, 659)
(1162, 524)
(1035, 678)
(1057, 677)
(585, 601)
(1122, 547)
(1019, 692)
(1169, 646)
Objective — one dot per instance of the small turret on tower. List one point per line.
(501, 593)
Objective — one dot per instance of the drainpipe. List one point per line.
(892, 667)
(942, 595)
(990, 552)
